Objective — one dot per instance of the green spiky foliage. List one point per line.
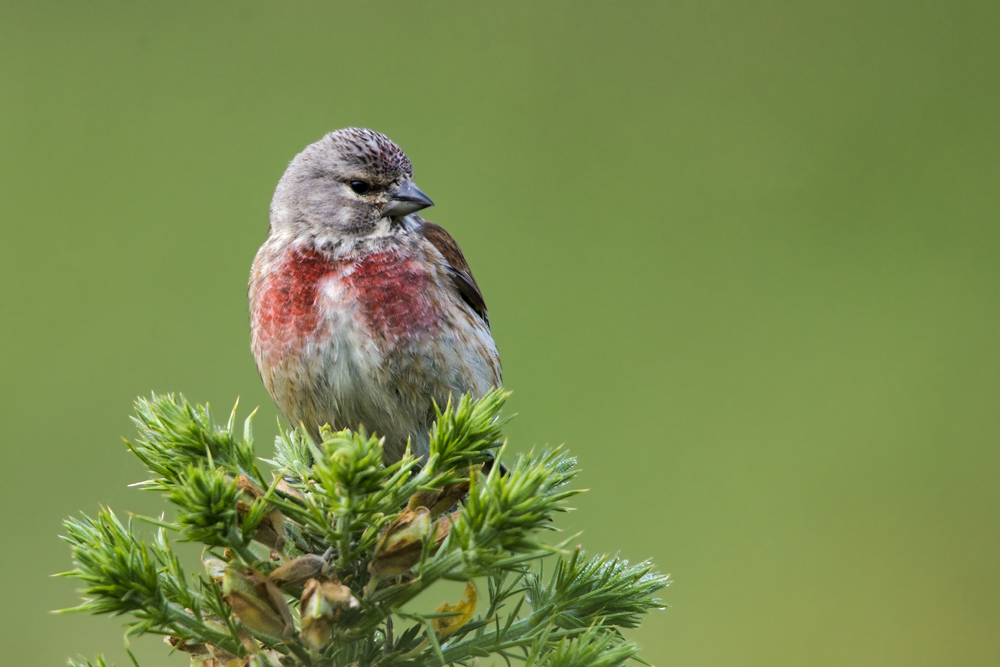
(315, 562)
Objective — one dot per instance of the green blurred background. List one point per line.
(741, 257)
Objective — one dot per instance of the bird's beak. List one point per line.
(406, 200)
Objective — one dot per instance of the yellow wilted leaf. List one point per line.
(446, 625)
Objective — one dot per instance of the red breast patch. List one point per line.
(391, 292)
(394, 296)
(286, 309)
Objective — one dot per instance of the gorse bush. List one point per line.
(314, 562)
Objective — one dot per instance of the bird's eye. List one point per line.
(360, 187)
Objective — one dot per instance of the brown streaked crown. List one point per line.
(371, 152)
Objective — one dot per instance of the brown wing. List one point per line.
(458, 268)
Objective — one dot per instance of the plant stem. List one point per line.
(520, 633)
(211, 635)
(344, 527)
(299, 652)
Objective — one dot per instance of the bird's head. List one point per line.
(351, 183)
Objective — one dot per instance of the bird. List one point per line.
(362, 313)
